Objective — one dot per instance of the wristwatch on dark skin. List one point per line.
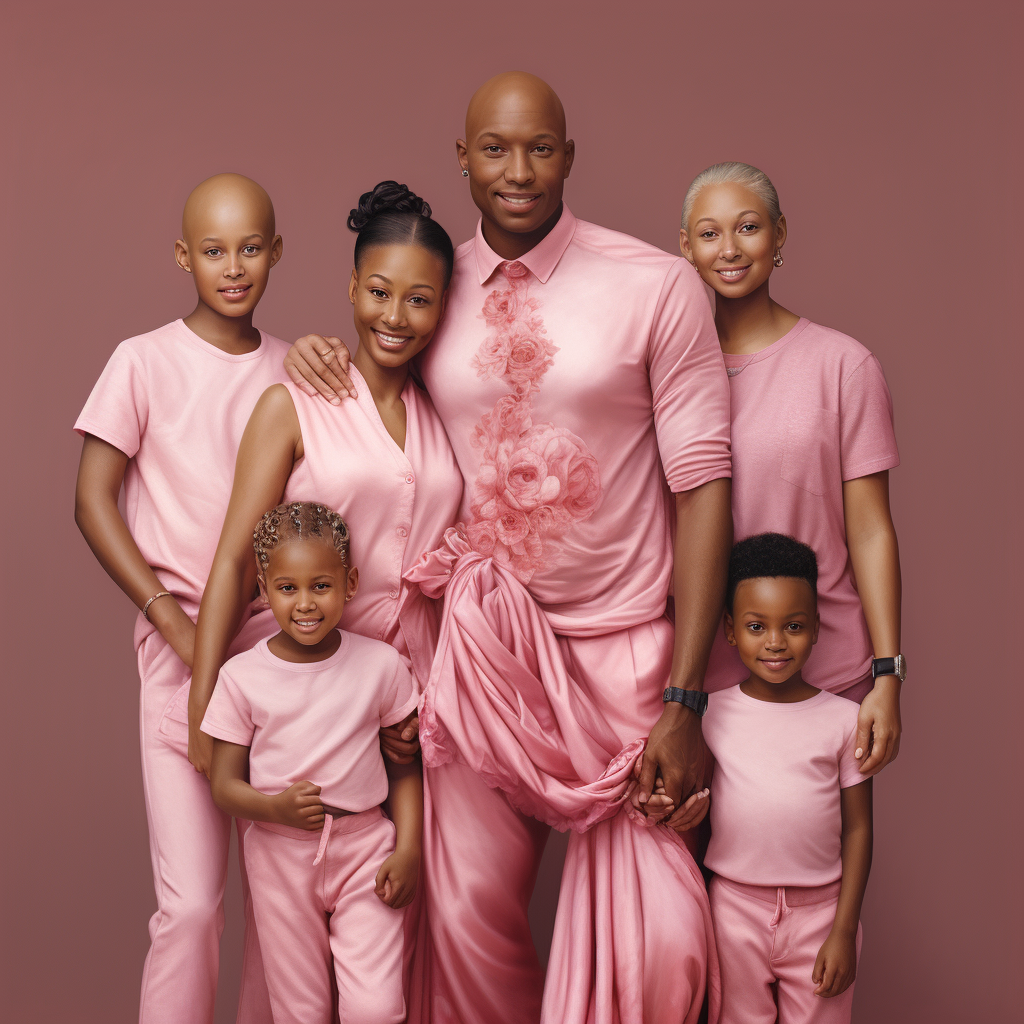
(889, 667)
(695, 700)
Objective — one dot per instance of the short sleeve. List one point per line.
(867, 438)
(849, 767)
(229, 715)
(400, 696)
(117, 409)
(689, 384)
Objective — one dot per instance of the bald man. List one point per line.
(579, 378)
(165, 420)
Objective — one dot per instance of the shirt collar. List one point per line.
(541, 260)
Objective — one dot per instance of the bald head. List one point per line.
(225, 198)
(513, 94)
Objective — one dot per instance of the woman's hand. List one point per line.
(319, 365)
(300, 807)
(878, 726)
(397, 878)
(200, 749)
(836, 965)
(400, 742)
(175, 627)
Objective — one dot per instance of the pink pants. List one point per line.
(633, 940)
(768, 938)
(310, 913)
(188, 841)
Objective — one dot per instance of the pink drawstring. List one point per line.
(324, 836)
(781, 907)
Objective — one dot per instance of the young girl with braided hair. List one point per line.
(295, 725)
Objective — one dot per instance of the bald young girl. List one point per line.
(164, 421)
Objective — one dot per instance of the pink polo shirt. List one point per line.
(397, 504)
(808, 413)
(177, 406)
(315, 722)
(578, 385)
(775, 805)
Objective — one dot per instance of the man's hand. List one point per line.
(319, 365)
(676, 752)
(400, 742)
(300, 807)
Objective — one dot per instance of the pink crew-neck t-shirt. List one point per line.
(176, 406)
(317, 721)
(809, 412)
(775, 807)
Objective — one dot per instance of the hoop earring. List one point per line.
(777, 258)
(465, 173)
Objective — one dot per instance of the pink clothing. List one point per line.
(775, 808)
(317, 721)
(397, 503)
(310, 916)
(808, 413)
(177, 406)
(768, 940)
(188, 841)
(587, 369)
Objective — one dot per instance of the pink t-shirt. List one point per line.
(316, 721)
(177, 407)
(573, 383)
(775, 809)
(808, 413)
(397, 504)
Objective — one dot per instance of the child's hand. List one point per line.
(401, 742)
(836, 965)
(692, 813)
(300, 807)
(396, 880)
(658, 805)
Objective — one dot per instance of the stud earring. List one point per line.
(465, 173)
(777, 259)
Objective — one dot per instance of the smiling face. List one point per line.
(228, 243)
(397, 294)
(773, 625)
(307, 585)
(518, 159)
(730, 239)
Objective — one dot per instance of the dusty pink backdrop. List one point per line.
(888, 132)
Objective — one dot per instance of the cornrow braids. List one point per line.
(299, 519)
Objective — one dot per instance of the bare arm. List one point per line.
(299, 805)
(836, 965)
(675, 749)
(100, 476)
(270, 446)
(875, 556)
(397, 878)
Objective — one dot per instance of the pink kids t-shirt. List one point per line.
(808, 413)
(775, 809)
(177, 406)
(316, 721)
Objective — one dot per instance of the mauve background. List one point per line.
(888, 131)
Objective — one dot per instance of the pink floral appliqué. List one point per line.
(535, 480)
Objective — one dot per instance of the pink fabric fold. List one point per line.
(500, 701)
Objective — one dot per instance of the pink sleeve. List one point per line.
(867, 439)
(116, 410)
(229, 715)
(400, 697)
(689, 384)
(849, 768)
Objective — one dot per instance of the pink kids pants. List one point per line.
(188, 841)
(314, 903)
(770, 936)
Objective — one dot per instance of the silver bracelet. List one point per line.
(145, 607)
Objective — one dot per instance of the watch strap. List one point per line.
(889, 667)
(695, 700)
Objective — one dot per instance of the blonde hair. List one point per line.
(740, 174)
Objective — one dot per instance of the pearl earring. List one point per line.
(465, 173)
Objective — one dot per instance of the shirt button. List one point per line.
(393, 594)
(409, 478)
(402, 531)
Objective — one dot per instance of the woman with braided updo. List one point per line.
(295, 725)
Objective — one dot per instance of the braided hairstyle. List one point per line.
(299, 519)
(392, 214)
